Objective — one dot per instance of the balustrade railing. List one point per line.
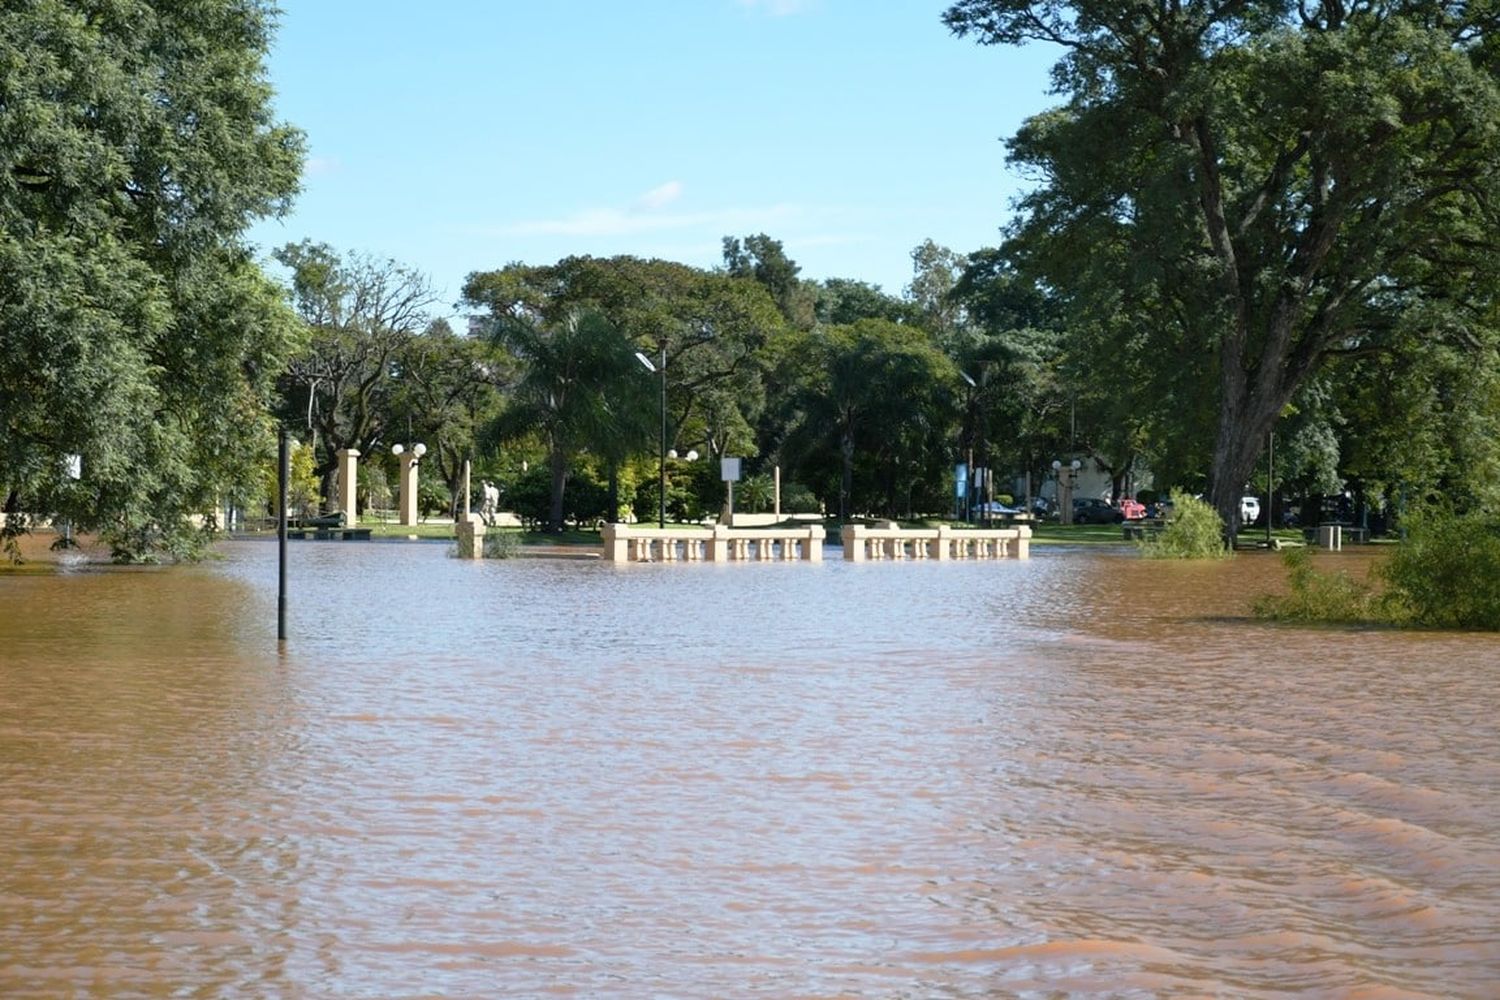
(863, 542)
(632, 543)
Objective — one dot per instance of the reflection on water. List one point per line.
(1084, 774)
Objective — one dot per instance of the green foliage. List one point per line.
(1195, 532)
(433, 496)
(501, 544)
(755, 494)
(302, 497)
(798, 499)
(584, 500)
(375, 487)
(874, 400)
(136, 145)
(1315, 597)
(1446, 574)
(581, 389)
(362, 315)
(1235, 196)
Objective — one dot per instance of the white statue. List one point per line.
(491, 501)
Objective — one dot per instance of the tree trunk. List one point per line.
(846, 480)
(1237, 449)
(559, 465)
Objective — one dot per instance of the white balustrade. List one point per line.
(631, 543)
(862, 543)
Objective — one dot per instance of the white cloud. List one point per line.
(660, 196)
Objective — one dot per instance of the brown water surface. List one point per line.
(1082, 775)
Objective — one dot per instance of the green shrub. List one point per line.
(1195, 532)
(1331, 598)
(798, 499)
(1447, 572)
(502, 544)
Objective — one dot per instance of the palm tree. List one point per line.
(580, 391)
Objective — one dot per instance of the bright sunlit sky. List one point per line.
(462, 135)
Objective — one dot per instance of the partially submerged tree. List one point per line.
(1280, 184)
(137, 143)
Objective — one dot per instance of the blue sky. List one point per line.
(462, 135)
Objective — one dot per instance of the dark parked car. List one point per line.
(1092, 510)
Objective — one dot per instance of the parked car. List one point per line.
(1249, 509)
(996, 509)
(1092, 510)
(1132, 509)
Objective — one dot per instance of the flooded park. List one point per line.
(1083, 774)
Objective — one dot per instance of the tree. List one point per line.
(362, 313)
(137, 144)
(935, 272)
(842, 301)
(711, 326)
(879, 396)
(446, 389)
(579, 389)
(763, 260)
(1280, 185)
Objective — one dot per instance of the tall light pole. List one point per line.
(968, 505)
(661, 369)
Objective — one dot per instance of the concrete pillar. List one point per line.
(776, 474)
(854, 542)
(616, 539)
(408, 508)
(348, 482)
(943, 546)
(470, 532)
(718, 545)
(812, 549)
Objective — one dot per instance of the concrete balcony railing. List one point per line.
(863, 543)
(632, 543)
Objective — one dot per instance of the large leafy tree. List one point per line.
(1279, 185)
(137, 143)
(711, 327)
(362, 314)
(876, 401)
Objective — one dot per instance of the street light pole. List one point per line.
(661, 510)
(661, 370)
(283, 473)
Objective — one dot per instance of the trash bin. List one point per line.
(1331, 536)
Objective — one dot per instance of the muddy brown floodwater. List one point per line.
(1083, 775)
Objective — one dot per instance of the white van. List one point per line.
(1249, 509)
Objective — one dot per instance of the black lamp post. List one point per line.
(660, 369)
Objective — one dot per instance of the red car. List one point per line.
(1133, 510)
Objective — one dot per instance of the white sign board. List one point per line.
(729, 470)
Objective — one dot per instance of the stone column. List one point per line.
(616, 539)
(854, 542)
(348, 485)
(812, 550)
(409, 464)
(718, 545)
